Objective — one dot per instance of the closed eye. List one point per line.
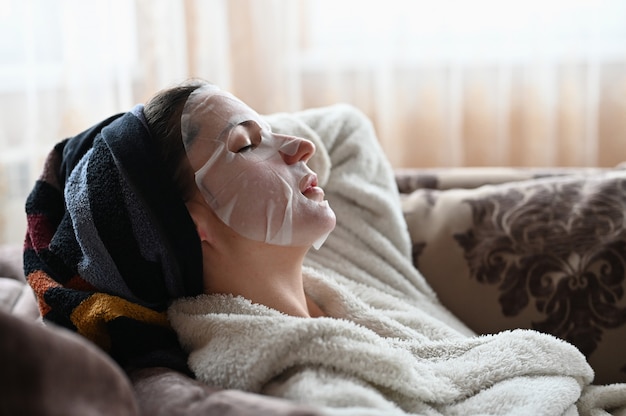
(245, 137)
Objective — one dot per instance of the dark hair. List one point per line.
(163, 114)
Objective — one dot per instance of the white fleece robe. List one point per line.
(386, 346)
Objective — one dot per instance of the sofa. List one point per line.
(503, 248)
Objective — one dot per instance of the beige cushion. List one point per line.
(545, 253)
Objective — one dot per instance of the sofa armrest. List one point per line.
(48, 370)
(11, 262)
(17, 298)
(161, 391)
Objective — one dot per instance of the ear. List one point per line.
(201, 215)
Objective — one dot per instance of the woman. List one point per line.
(197, 207)
(257, 207)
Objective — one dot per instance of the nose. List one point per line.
(304, 150)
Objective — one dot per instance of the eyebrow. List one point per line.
(263, 125)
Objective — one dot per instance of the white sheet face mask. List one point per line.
(241, 170)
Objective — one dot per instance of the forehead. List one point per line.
(208, 118)
(215, 112)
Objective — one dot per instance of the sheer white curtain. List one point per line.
(481, 82)
(446, 83)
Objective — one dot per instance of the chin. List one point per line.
(308, 232)
(326, 226)
(327, 220)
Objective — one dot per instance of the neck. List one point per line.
(265, 274)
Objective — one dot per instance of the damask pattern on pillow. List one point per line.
(544, 253)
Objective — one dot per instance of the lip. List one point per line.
(309, 188)
(308, 182)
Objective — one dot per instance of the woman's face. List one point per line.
(256, 181)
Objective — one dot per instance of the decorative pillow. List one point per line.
(545, 253)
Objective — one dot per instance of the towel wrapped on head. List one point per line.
(110, 242)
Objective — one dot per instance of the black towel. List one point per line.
(110, 243)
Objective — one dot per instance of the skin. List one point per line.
(263, 273)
